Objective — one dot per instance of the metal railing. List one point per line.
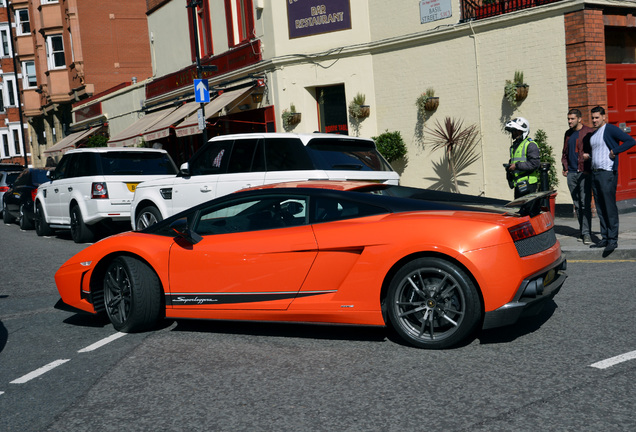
(476, 9)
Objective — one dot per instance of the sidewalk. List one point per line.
(567, 231)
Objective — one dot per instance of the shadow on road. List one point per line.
(523, 327)
(308, 331)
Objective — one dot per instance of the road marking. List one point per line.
(102, 342)
(601, 261)
(36, 373)
(604, 364)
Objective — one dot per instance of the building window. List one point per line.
(4, 38)
(10, 89)
(16, 142)
(1, 99)
(240, 21)
(49, 1)
(203, 30)
(5, 145)
(55, 52)
(29, 79)
(22, 24)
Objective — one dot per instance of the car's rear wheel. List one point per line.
(149, 215)
(25, 223)
(432, 303)
(41, 227)
(6, 217)
(80, 232)
(132, 295)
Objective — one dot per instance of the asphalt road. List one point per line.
(230, 376)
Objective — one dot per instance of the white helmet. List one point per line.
(519, 123)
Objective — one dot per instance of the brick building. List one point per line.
(317, 57)
(69, 50)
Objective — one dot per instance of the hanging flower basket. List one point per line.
(522, 92)
(295, 118)
(431, 103)
(365, 111)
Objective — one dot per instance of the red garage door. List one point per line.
(621, 111)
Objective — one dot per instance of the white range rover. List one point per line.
(92, 186)
(228, 163)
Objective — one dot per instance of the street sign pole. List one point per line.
(193, 5)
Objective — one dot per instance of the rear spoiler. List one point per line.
(530, 205)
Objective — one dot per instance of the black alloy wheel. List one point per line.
(6, 217)
(132, 295)
(80, 232)
(42, 228)
(25, 223)
(433, 304)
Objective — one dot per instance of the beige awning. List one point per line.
(190, 126)
(68, 142)
(132, 135)
(161, 129)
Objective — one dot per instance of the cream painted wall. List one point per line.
(169, 38)
(123, 108)
(468, 73)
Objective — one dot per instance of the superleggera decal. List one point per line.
(178, 299)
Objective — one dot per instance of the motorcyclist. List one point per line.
(522, 171)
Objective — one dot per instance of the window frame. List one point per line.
(51, 54)
(26, 83)
(5, 41)
(204, 30)
(11, 91)
(19, 24)
(239, 15)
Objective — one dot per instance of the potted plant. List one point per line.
(357, 107)
(548, 163)
(390, 145)
(427, 101)
(291, 117)
(516, 90)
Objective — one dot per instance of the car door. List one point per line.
(246, 166)
(204, 170)
(65, 186)
(254, 254)
(51, 190)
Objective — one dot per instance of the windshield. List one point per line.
(146, 163)
(346, 154)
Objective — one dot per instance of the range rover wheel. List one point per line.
(80, 232)
(148, 215)
(41, 227)
(432, 303)
(132, 295)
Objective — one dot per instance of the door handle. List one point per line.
(56, 190)
(205, 189)
(70, 189)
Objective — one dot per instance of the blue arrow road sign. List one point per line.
(201, 91)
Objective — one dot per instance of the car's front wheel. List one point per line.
(80, 232)
(432, 303)
(42, 228)
(132, 295)
(25, 223)
(148, 215)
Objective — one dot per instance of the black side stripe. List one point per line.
(221, 298)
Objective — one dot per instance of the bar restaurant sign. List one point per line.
(433, 10)
(311, 17)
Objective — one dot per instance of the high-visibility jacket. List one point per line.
(520, 154)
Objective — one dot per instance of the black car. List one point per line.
(17, 202)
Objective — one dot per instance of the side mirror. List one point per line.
(50, 174)
(184, 170)
(180, 227)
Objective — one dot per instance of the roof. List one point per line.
(304, 137)
(115, 149)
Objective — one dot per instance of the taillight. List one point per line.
(34, 192)
(99, 191)
(521, 231)
(4, 188)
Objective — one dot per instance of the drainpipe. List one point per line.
(481, 113)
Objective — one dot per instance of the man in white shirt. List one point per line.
(607, 142)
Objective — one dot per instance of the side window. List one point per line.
(333, 209)
(86, 165)
(244, 156)
(62, 167)
(253, 215)
(73, 167)
(23, 178)
(285, 154)
(212, 159)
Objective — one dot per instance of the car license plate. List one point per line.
(548, 278)
(132, 186)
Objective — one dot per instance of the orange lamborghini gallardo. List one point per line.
(434, 266)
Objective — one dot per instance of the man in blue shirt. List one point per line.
(606, 143)
(577, 168)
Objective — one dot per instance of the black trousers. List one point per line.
(604, 187)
